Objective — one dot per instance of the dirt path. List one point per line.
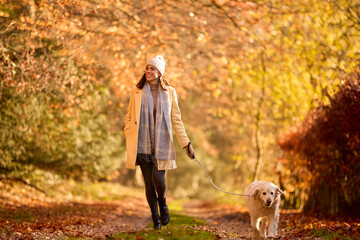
(233, 222)
(230, 222)
(49, 220)
(36, 219)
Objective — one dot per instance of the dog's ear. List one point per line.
(255, 193)
(279, 191)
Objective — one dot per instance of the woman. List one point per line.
(153, 111)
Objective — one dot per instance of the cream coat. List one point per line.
(131, 129)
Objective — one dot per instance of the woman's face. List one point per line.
(151, 73)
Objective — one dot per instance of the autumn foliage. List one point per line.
(243, 71)
(325, 150)
(52, 106)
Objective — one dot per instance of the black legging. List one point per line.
(154, 183)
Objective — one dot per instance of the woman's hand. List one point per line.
(190, 151)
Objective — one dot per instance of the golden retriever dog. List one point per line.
(263, 203)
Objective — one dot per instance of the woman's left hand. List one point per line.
(190, 151)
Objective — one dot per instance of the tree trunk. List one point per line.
(324, 199)
(256, 175)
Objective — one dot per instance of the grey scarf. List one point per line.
(155, 136)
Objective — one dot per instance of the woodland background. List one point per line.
(268, 90)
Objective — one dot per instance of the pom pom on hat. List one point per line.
(159, 63)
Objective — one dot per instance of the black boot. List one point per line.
(164, 211)
(156, 221)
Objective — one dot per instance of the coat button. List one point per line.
(135, 123)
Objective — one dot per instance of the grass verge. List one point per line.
(326, 234)
(180, 227)
(98, 191)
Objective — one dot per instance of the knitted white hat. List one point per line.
(159, 63)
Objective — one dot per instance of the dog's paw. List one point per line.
(256, 234)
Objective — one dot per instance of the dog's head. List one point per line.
(267, 194)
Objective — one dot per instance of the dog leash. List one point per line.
(238, 194)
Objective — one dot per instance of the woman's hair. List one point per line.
(163, 83)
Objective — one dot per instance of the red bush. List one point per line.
(327, 145)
